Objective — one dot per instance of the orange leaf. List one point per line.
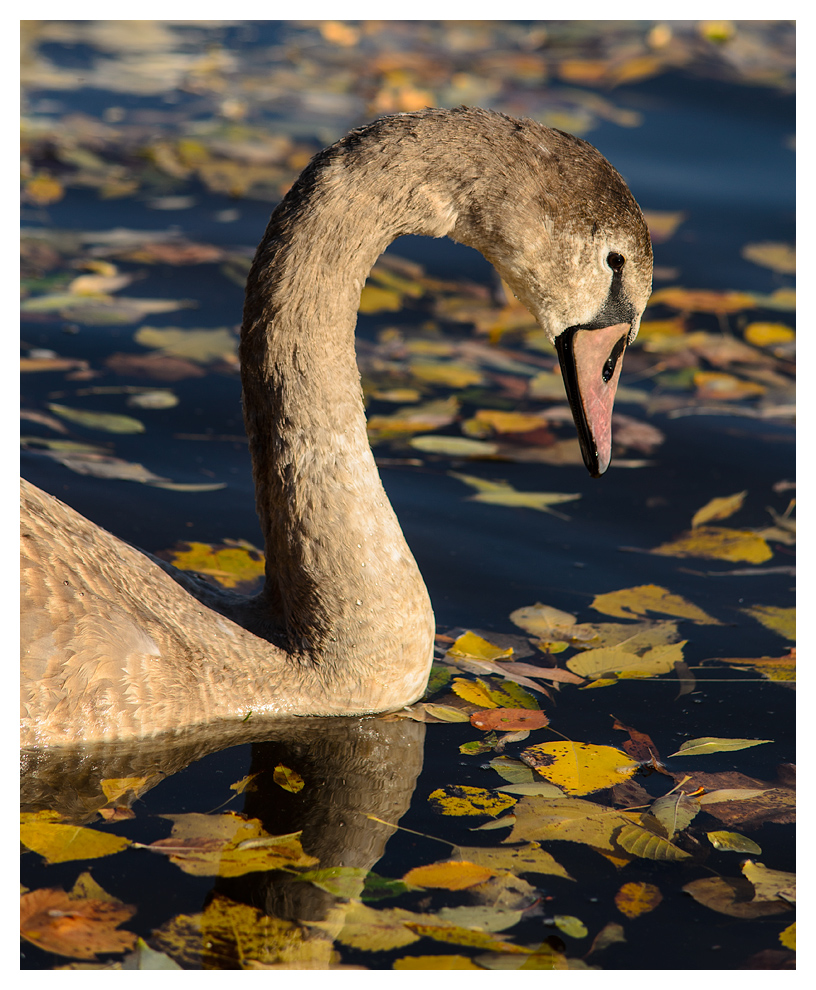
(456, 875)
(508, 719)
(79, 928)
(634, 899)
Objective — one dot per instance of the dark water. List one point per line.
(717, 151)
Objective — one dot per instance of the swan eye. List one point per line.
(615, 261)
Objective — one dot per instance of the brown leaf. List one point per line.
(79, 928)
(508, 719)
(639, 745)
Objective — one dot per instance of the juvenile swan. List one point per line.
(117, 645)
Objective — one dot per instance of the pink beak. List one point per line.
(591, 362)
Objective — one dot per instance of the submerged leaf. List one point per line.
(570, 925)
(634, 899)
(108, 422)
(80, 928)
(770, 884)
(732, 896)
(288, 779)
(733, 842)
(718, 508)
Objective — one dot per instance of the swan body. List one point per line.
(119, 645)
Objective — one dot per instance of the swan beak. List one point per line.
(591, 363)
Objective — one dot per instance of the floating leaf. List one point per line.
(446, 373)
(605, 661)
(464, 800)
(454, 446)
(201, 346)
(471, 645)
(465, 936)
(143, 958)
(702, 300)
(508, 719)
(500, 493)
(340, 881)
(732, 896)
(435, 962)
(475, 692)
(108, 422)
(487, 421)
(769, 254)
(769, 334)
(774, 668)
(719, 544)
(446, 713)
(570, 925)
(543, 621)
(80, 928)
(579, 768)
(228, 845)
(608, 935)
(674, 812)
(769, 884)
(58, 843)
(635, 899)
(778, 620)
(733, 842)
(718, 508)
(713, 744)
(641, 842)
(633, 602)
(570, 819)
(453, 875)
(415, 419)
(375, 299)
(528, 858)
(788, 937)
(288, 779)
(116, 787)
(229, 565)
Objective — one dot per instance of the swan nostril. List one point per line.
(612, 361)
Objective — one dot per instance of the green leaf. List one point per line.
(713, 744)
(108, 422)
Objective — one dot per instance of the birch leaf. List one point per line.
(718, 543)
(528, 858)
(453, 875)
(635, 899)
(471, 645)
(580, 768)
(636, 602)
(59, 843)
(460, 799)
(778, 620)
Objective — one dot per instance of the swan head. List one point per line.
(571, 242)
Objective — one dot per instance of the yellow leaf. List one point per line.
(662, 224)
(445, 373)
(114, 788)
(375, 299)
(641, 842)
(721, 386)
(454, 875)
(602, 662)
(499, 421)
(377, 930)
(728, 896)
(58, 843)
(779, 620)
(529, 858)
(570, 925)
(454, 446)
(718, 508)
(770, 885)
(201, 346)
(460, 799)
(788, 937)
(702, 300)
(634, 899)
(633, 602)
(465, 936)
(569, 819)
(288, 779)
(43, 190)
(471, 645)
(473, 692)
(718, 543)
(777, 257)
(229, 565)
(714, 744)
(733, 842)
(580, 768)
(435, 962)
(108, 422)
(414, 419)
(608, 935)
(543, 621)
(768, 334)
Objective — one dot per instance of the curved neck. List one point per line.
(341, 580)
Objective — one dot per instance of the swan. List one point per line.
(118, 645)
